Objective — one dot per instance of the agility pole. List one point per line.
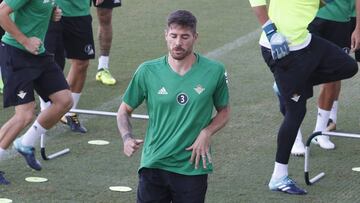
(106, 113)
(51, 156)
(309, 181)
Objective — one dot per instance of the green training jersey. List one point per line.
(291, 18)
(353, 10)
(338, 10)
(179, 107)
(74, 8)
(32, 18)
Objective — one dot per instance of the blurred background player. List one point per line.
(332, 23)
(72, 38)
(27, 66)
(298, 61)
(105, 35)
(2, 32)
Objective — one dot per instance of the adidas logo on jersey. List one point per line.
(162, 91)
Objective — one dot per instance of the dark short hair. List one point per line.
(182, 18)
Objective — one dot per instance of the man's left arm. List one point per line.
(200, 148)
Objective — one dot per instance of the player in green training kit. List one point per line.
(180, 90)
(2, 32)
(298, 61)
(26, 66)
(72, 38)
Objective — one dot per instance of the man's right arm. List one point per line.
(32, 44)
(278, 43)
(131, 145)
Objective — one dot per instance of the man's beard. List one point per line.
(181, 56)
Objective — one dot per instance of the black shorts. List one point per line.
(320, 62)
(338, 33)
(108, 4)
(156, 185)
(54, 42)
(78, 37)
(24, 72)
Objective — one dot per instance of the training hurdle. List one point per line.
(51, 156)
(81, 111)
(313, 180)
(106, 113)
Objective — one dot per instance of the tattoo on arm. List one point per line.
(125, 126)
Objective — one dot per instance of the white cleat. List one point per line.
(323, 141)
(298, 148)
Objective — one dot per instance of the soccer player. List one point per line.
(298, 61)
(105, 35)
(2, 32)
(27, 66)
(333, 23)
(73, 37)
(176, 157)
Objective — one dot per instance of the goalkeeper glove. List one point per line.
(278, 43)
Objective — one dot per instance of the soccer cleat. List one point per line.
(1, 86)
(286, 185)
(323, 141)
(298, 148)
(104, 76)
(331, 125)
(73, 122)
(28, 153)
(3, 180)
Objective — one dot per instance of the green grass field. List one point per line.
(243, 152)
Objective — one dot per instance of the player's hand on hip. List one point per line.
(57, 13)
(32, 44)
(279, 44)
(131, 145)
(201, 149)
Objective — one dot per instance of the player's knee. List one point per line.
(81, 65)
(66, 103)
(352, 68)
(63, 102)
(105, 17)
